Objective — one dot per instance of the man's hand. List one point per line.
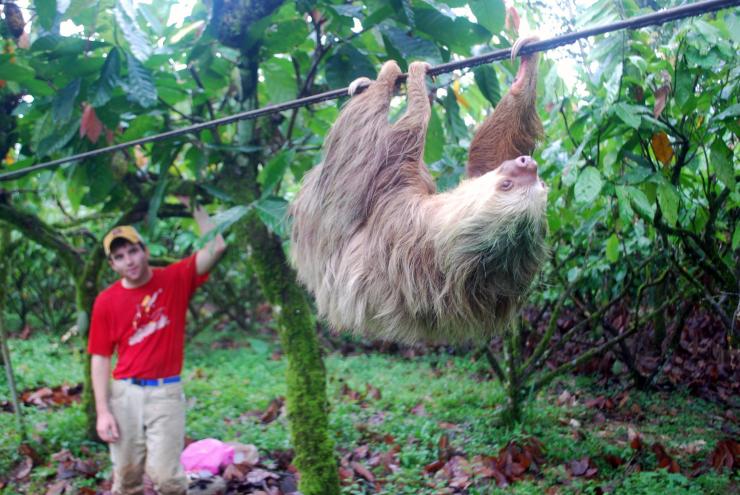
(208, 255)
(107, 427)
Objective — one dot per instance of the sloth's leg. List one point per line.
(409, 133)
(514, 126)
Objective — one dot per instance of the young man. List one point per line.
(141, 414)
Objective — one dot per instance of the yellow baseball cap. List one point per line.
(121, 232)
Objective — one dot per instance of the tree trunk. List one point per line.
(4, 351)
(306, 400)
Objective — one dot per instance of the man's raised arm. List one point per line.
(208, 255)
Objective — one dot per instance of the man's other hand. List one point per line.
(107, 427)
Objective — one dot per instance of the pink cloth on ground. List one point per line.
(208, 454)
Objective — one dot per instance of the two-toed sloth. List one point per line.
(385, 255)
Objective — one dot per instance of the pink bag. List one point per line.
(208, 454)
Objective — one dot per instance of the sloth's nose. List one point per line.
(526, 163)
(524, 166)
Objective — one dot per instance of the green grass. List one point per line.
(224, 385)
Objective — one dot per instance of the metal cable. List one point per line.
(653, 19)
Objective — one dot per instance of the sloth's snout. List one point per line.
(523, 167)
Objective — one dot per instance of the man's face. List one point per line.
(131, 262)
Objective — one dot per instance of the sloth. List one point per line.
(385, 255)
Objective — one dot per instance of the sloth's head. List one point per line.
(512, 190)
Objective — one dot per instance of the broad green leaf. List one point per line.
(280, 82)
(102, 89)
(61, 109)
(612, 248)
(730, 112)
(490, 14)
(722, 162)
(140, 85)
(15, 71)
(76, 180)
(47, 12)
(284, 37)
(100, 181)
(485, 78)
(454, 122)
(156, 200)
(736, 238)
(136, 39)
(668, 200)
(435, 139)
(272, 211)
(58, 45)
(588, 186)
(227, 218)
(274, 170)
(710, 33)
(458, 34)
(56, 139)
(640, 203)
(628, 114)
(410, 47)
(347, 64)
(623, 201)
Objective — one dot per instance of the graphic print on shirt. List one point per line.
(148, 319)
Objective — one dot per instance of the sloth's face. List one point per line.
(515, 175)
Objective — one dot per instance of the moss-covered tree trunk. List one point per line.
(306, 399)
(305, 375)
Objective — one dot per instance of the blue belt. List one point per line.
(152, 382)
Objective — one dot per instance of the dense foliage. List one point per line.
(640, 155)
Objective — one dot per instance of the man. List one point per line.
(141, 414)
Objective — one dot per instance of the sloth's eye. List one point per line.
(506, 185)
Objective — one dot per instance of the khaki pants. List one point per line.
(151, 427)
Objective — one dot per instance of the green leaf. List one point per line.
(102, 89)
(61, 109)
(136, 39)
(347, 64)
(435, 139)
(640, 203)
(732, 111)
(623, 201)
(274, 170)
(628, 114)
(156, 200)
(140, 87)
(612, 248)
(588, 186)
(668, 200)
(736, 239)
(284, 37)
(491, 14)
(459, 34)
(485, 78)
(272, 211)
(56, 139)
(47, 12)
(280, 82)
(227, 218)
(15, 71)
(455, 123)
(100, 181)
(722, 161)
(410, 47)
(141, 126)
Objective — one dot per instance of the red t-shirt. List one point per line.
(146, 325)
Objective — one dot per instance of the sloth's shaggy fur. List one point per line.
(387, 257)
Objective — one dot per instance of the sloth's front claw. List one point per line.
(358, 85)
(519, 43)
